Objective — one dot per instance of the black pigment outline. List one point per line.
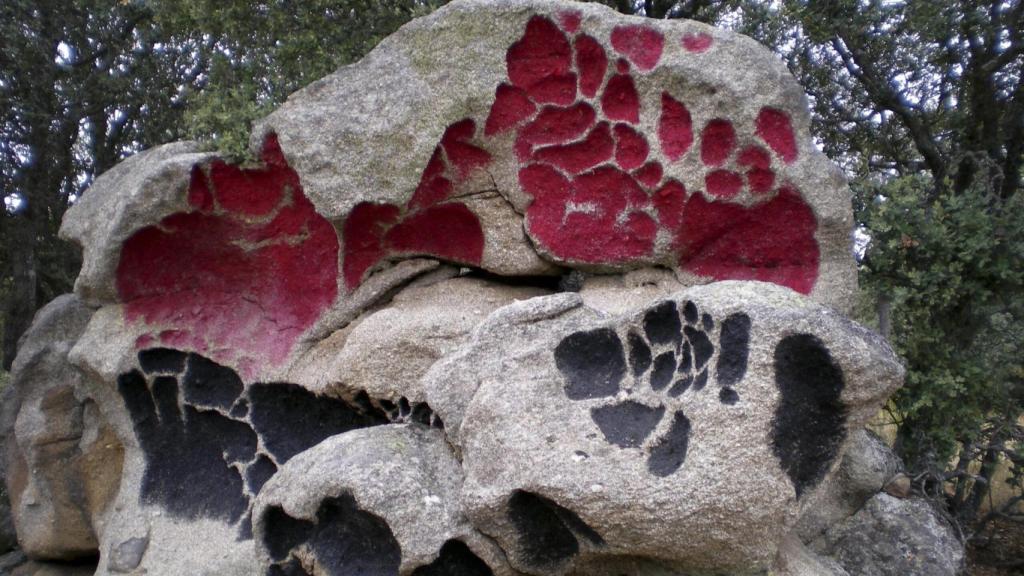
(672, 353)
(210, 443)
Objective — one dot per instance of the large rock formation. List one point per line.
(351, 358)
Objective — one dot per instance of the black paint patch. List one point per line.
(241, 409)
(283, 533)
(627, 424)
(290, 418)
(702, 347)
(664, 370)
(686, 359)
(593, 363)
(162, 360)
(209, 384)
(690, 312)
(809, 422)
(639, 354)
(186, 472)
(733, 350)
(680, 386)
(548, 533)
(661, 324)
(455, 559)
(707, 322)
(670, 452)
(728, 396)
(700, 381)
(257, 474)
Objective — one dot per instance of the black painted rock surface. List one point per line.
(687, 429)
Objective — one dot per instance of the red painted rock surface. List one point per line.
(251, 265)
(240, 275)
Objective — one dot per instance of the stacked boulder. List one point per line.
(534, 288)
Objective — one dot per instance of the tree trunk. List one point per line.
(21, 302)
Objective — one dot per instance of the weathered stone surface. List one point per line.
(375, 501)
(386, 352)
(63, 463)
(127, 555)
(795, 559)
(584, 431)
(867, 465)
(895, 537)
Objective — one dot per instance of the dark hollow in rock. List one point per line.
(455, 559)
(627, 424)
(349, 541)
(290, 418)
(344, 540)
(669, 453)
(162, 360)
(548, 534)
(209, 384)
(702, 347)
(733, 350)
(809, 422)
(291, 568)
(661, 324)
(664, 370)
(639, 354)
(283, 533)
(593, 363)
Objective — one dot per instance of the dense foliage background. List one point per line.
(922, 103)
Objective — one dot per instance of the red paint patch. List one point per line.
(697, 43)
(620, 100)
(558, 125)
(433, 187)
(755, 157)
(430, 224)
(592, 64)
(760, 181)
(542, 52)
(641, 44)
(675, 128)
(214, 282)
(774, 127)
(450, 230)
(559, 90)
(463, 156)
(669, 201)
(511, 107)
(570, 20)
(363, 232)
(598, 147)
(723, 183)
(717, 141)
(650, 175)
(771, 242)
(621, 66)
(631, 148)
